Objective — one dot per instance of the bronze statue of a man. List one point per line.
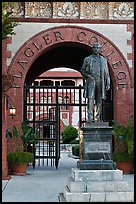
(96, 74)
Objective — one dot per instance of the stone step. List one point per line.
(98, 196)
(96, 175)
(96, 186)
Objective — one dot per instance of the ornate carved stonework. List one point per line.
(66, 10)
(38, 9)
(94, 10)
(19, 9)
(121, 10)
(75, 10)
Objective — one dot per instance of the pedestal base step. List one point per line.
(96, 175)
(96, 186)
(98, 196)
(96, 165)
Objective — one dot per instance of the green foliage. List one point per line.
(19, 157)
(15, 132)
(28, 136)
(124, 135)
(75, 150)
(7, 23)
(121, 157)
(26, 133)
(127, 129)
(70, 133)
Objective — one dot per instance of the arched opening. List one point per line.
(66, 46)
(69, 55)
(42, 46)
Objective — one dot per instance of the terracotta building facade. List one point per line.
(69, 115)
(61, 34)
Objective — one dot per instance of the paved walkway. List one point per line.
(43, 184)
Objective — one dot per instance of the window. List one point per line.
(46, 83)
(57, 83)
(66, 100)
(42, 101)
(68, 83)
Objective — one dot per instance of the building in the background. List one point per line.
(60, 34)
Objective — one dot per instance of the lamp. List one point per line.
(12, 111)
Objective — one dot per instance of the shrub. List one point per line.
(70, 133)
(124, 135)
(75, 150)
(121, 157)
(20, 157)
(26, 133)
(8, 23)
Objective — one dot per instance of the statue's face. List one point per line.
(96, 49)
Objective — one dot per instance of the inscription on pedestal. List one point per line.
(97, 147)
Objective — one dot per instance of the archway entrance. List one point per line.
(70, 55)
(42, 107)
(66, 46)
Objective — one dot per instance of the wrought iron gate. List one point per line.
(42, 109)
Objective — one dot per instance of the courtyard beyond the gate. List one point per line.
(43, 184)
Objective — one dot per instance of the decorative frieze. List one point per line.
(75, 10)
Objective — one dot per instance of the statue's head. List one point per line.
(96, 48)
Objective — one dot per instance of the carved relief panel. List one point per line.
(66, 10)
(38, 9)
(18, 10)
(121, 10)
(94, 10)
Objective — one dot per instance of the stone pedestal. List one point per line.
(96, 147)
(96, 186)
(96, 178)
